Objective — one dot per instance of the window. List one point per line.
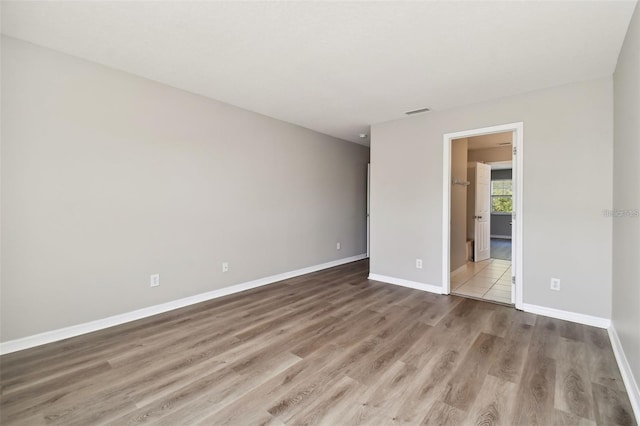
(501, 196)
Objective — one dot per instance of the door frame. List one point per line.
(368, 210)
(517, 217)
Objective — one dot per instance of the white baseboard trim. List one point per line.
(567, 316)
(406, 283)
(633, 391)
(88, 327)
(502, 237)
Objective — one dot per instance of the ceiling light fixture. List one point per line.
(417, 111)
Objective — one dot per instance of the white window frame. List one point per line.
(510, 196)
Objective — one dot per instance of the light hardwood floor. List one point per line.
(327, 348)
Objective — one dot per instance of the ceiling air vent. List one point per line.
(417, 111)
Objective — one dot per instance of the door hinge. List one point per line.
(513, 280)
(515, 150)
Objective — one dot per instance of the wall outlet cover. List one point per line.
(154, 280)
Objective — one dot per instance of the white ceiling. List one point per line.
(337, 67)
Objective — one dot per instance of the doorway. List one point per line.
(501, 209)
(482, 214)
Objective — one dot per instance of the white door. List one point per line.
(482, 217)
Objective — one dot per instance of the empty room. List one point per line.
(319, 212)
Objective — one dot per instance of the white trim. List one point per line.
(462, 268)
(500, 165)
(567, 316)
(516, 249)
(517, 163)
(502, 237)
(406, 283)
(633, 391)
(88, 327)
(368, 209)
(446, 214)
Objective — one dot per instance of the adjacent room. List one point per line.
(482, 194)
(332, 213)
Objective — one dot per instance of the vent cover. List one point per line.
(417, 111)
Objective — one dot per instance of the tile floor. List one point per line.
(489, 279)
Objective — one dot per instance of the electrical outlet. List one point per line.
(418, 263)
(154, 280)
(555, 284)
(337, 246)
(225, 267)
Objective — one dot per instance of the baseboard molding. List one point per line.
(88, 327)
(502, 237)
(567, 316)
(633, 391)
(406, 283)
(463, 267)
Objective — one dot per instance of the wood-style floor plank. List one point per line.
(510, 359)
(611, 407)
(573, 389)
(494, 403)
(536, 390)
(462, 389)
(442, 414)
(328, 348)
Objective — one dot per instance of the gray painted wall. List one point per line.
(501, 225)
(626, 195)
(108, 178)
(568, 148)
